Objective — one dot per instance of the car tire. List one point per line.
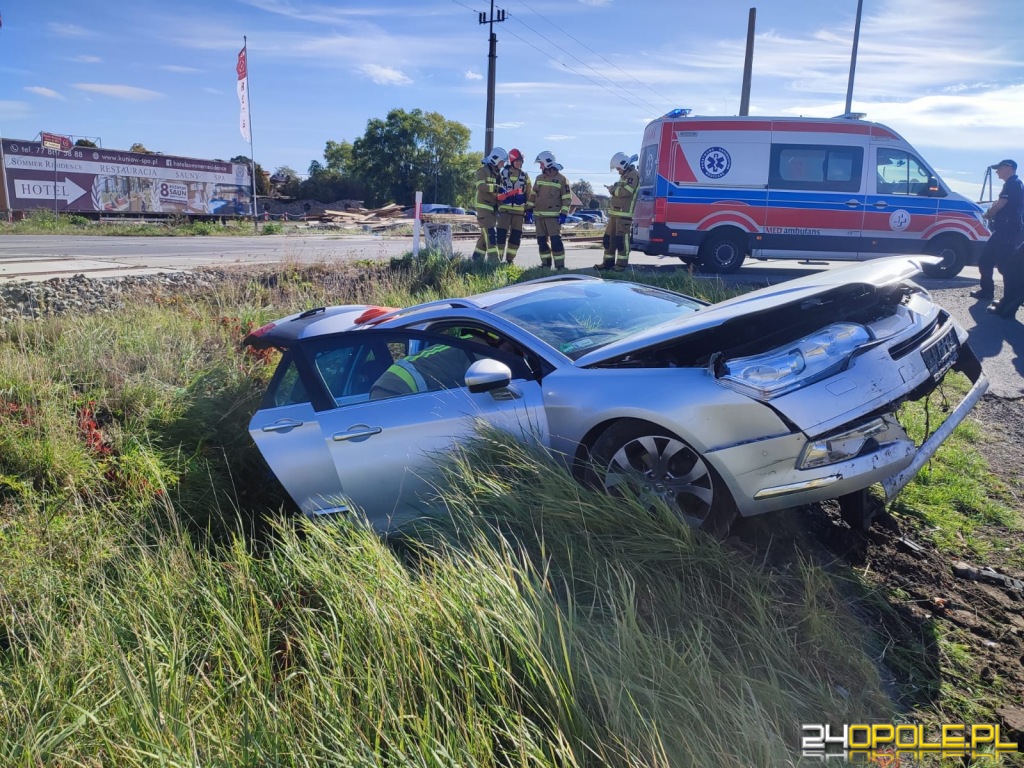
(661, 465)
(955, 253)
(723, 252)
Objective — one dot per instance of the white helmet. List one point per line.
(546, 159)
(497, 155)
(620, 161)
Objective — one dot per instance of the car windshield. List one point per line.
(580, 317)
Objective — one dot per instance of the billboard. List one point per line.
(94, 180)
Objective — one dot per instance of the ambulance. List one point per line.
(714, 190)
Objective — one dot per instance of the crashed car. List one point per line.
(774, 399)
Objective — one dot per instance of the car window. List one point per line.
(900, 173)
(349, 364)
(815, 167)
(287, 387)
(581, 317)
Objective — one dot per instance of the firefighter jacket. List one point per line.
(488, 182)
(623, 194)
(517, 181)
(437, 367)
(551, 195)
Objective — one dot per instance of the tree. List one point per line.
(85, 143)
(285, 181)
(262, 177)
(338, 155)
(139, 147)
(409, 151)
(583, 191)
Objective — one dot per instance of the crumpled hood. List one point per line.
(875, 273)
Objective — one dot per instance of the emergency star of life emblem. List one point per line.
(715, 162)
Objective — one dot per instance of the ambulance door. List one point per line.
(815, 199)
(901, 204)
(643, 212)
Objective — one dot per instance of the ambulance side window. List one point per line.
(816, 167)
(900, 173)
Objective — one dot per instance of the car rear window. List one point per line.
(581, 317)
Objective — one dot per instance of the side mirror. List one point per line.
(488, 375)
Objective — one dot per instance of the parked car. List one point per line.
(781, 397)
(596, 213)
(588, 217)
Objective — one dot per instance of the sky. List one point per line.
(580, 78)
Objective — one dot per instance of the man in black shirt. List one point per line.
(1005, 220)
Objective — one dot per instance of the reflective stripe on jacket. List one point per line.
(623, 194)
(487, 184)
(518, 180)
(551, 195)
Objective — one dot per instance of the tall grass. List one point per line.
(44, 222)
(533, 623)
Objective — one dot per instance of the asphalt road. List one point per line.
(999, 342)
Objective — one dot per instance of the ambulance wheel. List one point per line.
(955, 253)
(723, 252)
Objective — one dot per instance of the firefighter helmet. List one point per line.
(495, 156)
(619, 162)
(514, 155)
(546, 159)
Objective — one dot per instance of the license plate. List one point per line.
(940, 356)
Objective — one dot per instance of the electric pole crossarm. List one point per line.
(492, 58)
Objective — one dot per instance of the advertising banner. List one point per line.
(93, 180)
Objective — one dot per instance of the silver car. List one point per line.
(774, 399)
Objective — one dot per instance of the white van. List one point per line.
(715, 189)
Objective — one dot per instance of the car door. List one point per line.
(385, 451)
(901, 210)
(286, 429)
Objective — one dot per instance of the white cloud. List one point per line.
(180, 69)
(559, 137)
(385, 75)
(595, 3)
(471, 75)
(69, 30)
(509, 126)
(85, 59)
(11, 110)
(40, 90)
(129, 92)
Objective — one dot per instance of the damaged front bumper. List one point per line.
(779, 483)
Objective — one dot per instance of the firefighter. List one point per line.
(488, 184)
(439, 366)
(620, 212)
(549, 203)
(512, 205)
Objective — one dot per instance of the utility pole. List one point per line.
(853, 59)
(748, 64)
(492, 56)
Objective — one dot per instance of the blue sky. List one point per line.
(580, 78)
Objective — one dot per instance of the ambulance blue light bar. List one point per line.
(679, 113)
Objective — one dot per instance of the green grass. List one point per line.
(42, 222)
(955, 498)
(151, 615)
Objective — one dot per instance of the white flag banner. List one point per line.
(243, 95)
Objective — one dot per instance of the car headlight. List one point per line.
(798, 364)
(841, 447)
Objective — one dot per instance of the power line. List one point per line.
(580, 74)
(556, 45)
(609, 63)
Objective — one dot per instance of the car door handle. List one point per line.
(853, 203)
(507, 393)
(357, 432)
(281, 425)
(881, 204)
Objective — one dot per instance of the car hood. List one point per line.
(876, 273)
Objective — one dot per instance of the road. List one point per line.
(999, 342)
